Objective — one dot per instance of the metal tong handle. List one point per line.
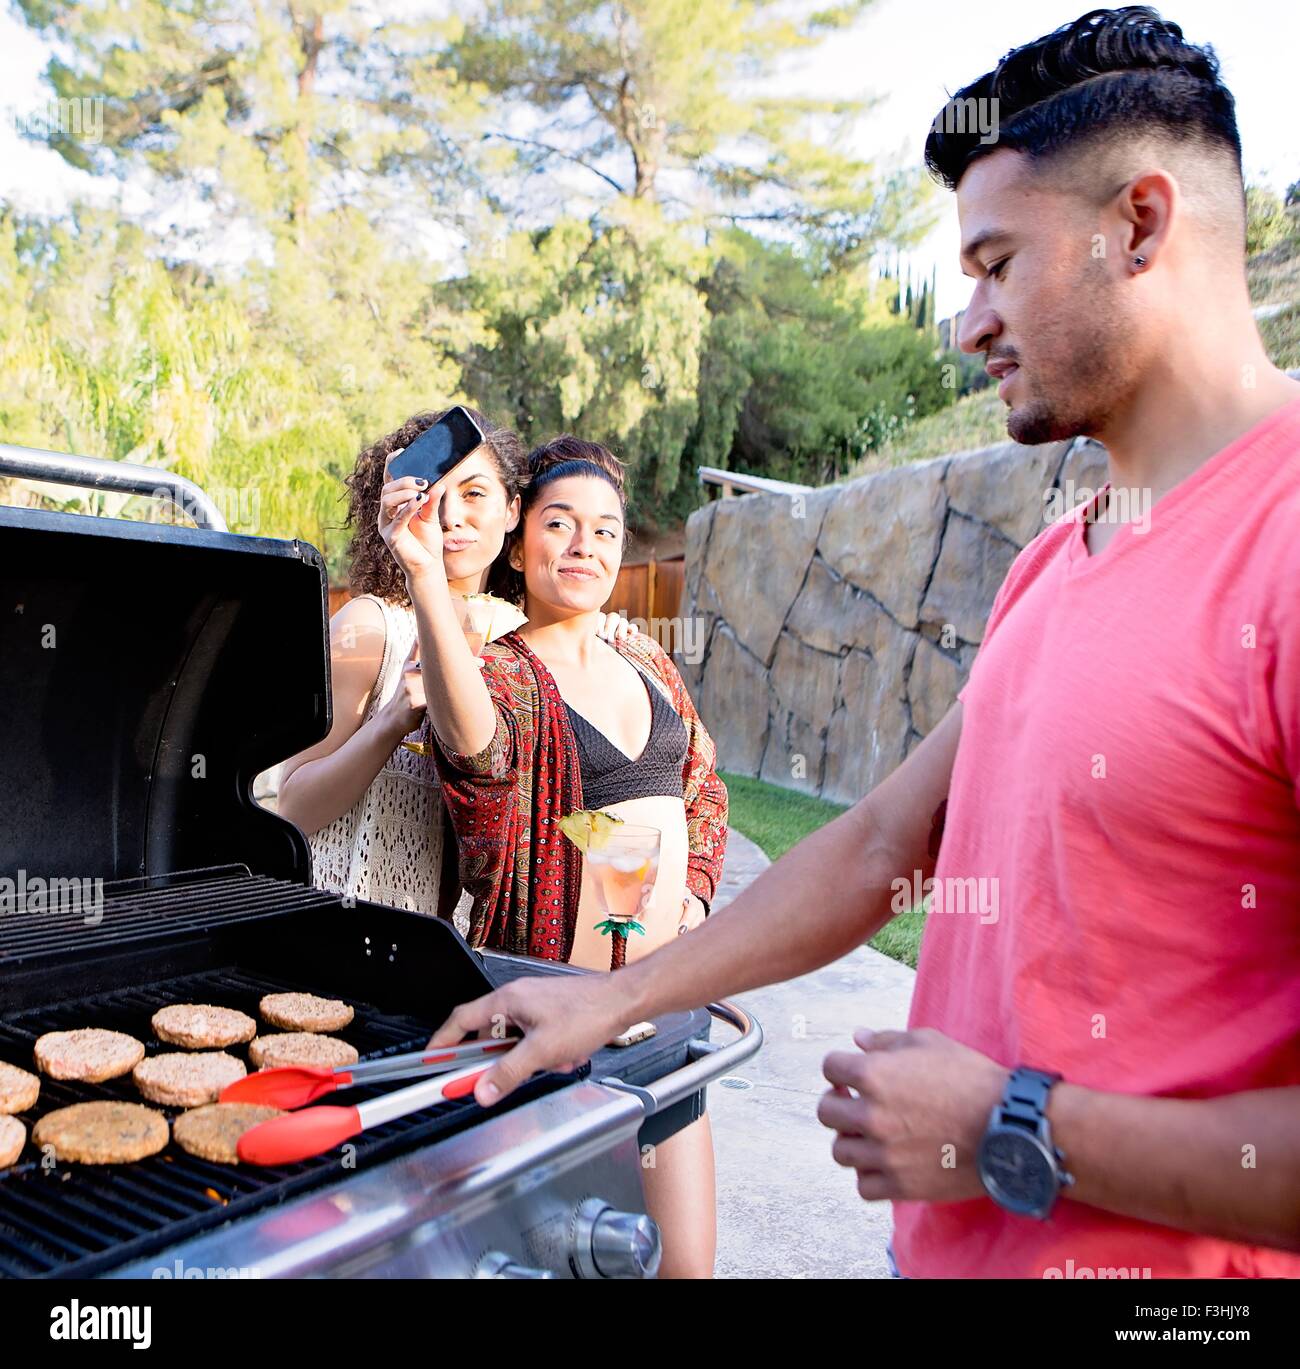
(425, 1061)
(417, 1096)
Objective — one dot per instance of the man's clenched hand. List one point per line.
(910, 1109)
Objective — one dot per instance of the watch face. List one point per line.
(1016, 1171)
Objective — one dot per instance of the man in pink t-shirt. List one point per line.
(1127, 782)
(1101, 1076)
(1124, 799)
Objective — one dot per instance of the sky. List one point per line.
(909, 54)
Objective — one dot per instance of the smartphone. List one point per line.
(439, 448)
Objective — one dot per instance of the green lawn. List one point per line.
(776, 819)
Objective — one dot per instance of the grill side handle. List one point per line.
(122, 477)
(711, 1062)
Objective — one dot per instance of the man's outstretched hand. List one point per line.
(563, 1022)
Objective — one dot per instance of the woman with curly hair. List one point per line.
(367, 799)
(555, 721)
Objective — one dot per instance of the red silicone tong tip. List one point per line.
(462, 1088)
(287, 1087)
(283, 1140)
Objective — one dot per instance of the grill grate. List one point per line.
(80, 1220)
(232, 895)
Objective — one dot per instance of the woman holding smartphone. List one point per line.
(371, 806)
(554, 716)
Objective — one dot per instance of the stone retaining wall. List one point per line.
(839, 625)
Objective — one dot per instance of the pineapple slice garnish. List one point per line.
(588, 829)
(505, 616)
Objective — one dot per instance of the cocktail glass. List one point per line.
(624, 870)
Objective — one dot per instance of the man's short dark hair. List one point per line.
(1121, 72)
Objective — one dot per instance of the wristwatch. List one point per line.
(1020, 1168)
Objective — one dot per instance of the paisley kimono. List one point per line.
(506, 803)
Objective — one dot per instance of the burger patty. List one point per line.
(304, 1012)
(102, 1133)
(177, 1079)
(18, 1089)
(202, 1026)
(89, 1054)
(213, 1132)
(301, 1048)
(13, 1137)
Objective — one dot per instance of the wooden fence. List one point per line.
(649, 589)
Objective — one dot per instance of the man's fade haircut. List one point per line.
(1121, 74)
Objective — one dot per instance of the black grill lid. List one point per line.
(147, 674)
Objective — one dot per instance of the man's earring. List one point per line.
(1139, 262)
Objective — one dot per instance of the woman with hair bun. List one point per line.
(558, 720)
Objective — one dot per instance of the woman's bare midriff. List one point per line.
(664, 913)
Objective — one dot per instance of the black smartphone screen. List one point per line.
(439, 448)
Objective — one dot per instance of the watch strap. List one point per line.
(1024, 1099)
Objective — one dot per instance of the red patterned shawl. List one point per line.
(506, 803)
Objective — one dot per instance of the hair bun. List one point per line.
(566, 447)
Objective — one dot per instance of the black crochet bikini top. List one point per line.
(610, 775)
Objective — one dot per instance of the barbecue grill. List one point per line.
(136, 870)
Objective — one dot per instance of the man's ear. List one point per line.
(1147, 207)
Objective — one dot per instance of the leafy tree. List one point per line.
(106, 351)
(270, 115)
(595, 329)
(663, 99)
(308, 154)
(1267, 222)
(663, 104)
(799, 359)
(341, 230)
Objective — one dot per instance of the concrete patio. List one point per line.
(785, 1209)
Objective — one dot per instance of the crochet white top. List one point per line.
(388, 848)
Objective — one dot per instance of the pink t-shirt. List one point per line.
(1127, 786)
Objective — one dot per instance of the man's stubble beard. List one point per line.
(1081, 376)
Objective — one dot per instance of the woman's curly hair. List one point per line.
(372, 569)
(554, 460)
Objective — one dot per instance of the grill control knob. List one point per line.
(496, 1265)
(609, 1244)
